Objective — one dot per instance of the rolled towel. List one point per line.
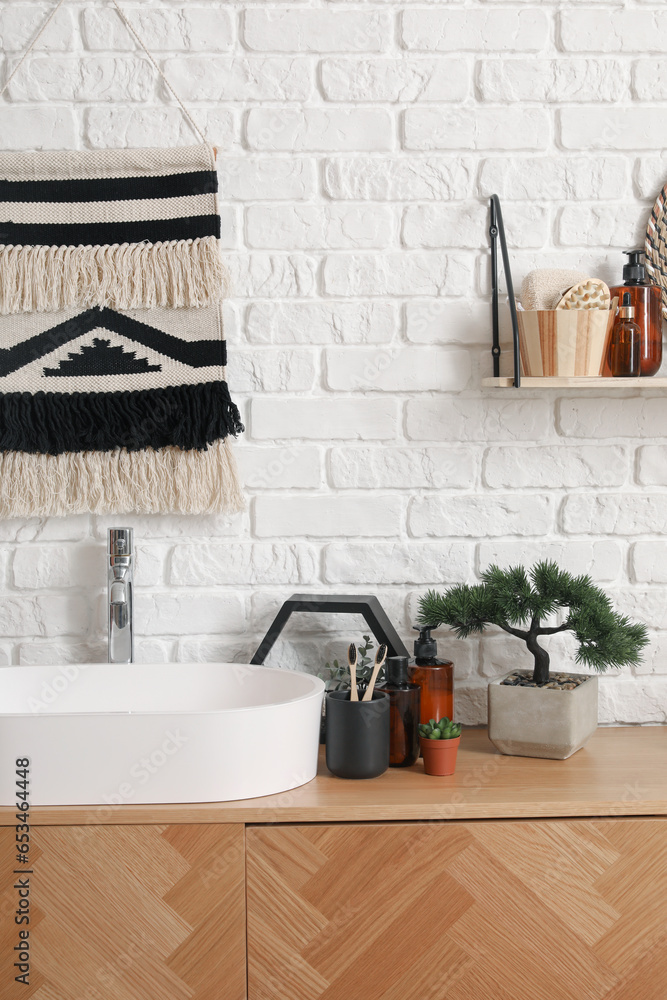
(544, 288)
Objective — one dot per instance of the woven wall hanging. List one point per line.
(655, 246)
(113, 392)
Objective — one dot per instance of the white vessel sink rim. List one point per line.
(162, 671)
(108, 735)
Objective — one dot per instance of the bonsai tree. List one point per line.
(519, 602)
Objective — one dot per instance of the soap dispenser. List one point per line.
(404, 705)
(435, 678)
(646, 300)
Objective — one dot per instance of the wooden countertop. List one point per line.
(621, 772)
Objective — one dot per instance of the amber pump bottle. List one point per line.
(646, 300)
(435, 678)
(625, 350)
(404, 699)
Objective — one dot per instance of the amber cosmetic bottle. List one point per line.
(646, 300)
(435, 678)
(625, 350)
(404, 700)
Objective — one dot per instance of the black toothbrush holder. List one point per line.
(357, 740)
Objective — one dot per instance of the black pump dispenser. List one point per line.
(396, 670)
(426, 648)
(634, 272)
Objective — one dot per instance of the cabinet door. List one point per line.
(127, 913)
(509, 910)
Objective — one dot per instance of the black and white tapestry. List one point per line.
(113, 392)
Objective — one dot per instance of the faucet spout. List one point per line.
(120, 579)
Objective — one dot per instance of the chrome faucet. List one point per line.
(120, 573)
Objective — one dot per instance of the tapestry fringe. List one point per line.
(121, 482)
(180, 274)
(182, 416)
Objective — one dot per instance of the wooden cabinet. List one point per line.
(477, 886)
(508, 909)
(513, 910)
(128, 913)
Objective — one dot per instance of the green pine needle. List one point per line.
(515, 599)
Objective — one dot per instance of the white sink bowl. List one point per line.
(110, 735)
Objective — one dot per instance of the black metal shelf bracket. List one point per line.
(496, 233)
(349, 604)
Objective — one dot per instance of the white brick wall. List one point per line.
(358, 144)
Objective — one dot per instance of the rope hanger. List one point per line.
(140, 42)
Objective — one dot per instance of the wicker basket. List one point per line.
(565, 342)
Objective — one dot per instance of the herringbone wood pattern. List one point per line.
(129, 913)
(512, 910)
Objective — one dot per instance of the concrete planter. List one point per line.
(542, 722)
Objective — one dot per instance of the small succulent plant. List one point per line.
(443, 730)
(337, 675)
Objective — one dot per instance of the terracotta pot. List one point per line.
(439, 755)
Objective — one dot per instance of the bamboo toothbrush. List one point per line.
(380, 657)
(352, 663)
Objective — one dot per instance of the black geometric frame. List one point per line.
(334, 604)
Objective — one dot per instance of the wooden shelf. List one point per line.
(575, 382)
